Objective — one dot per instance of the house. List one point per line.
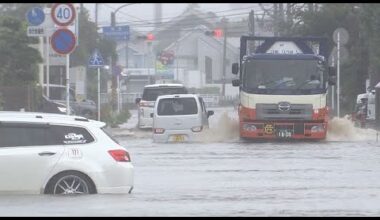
(200, 58)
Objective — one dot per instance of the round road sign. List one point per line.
(35, 16)
(63, 41)
(343, 36)
(63, 14)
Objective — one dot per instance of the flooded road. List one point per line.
(226, 177)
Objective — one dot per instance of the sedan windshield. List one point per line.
(289, 76)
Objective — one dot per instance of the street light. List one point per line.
(113, 24)
(113, 14)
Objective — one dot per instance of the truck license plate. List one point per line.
(284, 133)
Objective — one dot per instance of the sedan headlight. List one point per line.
(62, 109)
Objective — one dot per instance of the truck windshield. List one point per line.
(283, 76)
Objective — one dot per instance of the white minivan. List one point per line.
(179, 118)
(146, 102)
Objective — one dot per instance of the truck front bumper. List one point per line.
(283, 130)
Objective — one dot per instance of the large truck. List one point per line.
(283, 87)
(365, 109)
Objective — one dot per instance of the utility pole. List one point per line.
(96, 15)
(251, 30)
(115, 82)
(224, 21)
(281, 18)
(275, 18)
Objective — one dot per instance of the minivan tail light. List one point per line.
(197, 129)
(146, 104)
(120, 155)
(159, 130)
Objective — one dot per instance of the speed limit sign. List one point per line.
(63, 14)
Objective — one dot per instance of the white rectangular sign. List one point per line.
(35, 31)
(47, 28)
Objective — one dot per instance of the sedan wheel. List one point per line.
(71, 185)
(70, 182)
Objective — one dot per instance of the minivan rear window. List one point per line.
(177, 106)
(151, 94)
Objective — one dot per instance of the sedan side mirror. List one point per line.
(235, 68)
(137, 101)
(236, 82)
(209, 113)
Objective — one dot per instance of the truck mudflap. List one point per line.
(283, 130)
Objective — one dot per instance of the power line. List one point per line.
(148, 21)
(186, 22)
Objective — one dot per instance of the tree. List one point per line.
(89, 39)
(323, 20)
(18, 61)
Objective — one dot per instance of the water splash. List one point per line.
(343, 129)
(225, 129)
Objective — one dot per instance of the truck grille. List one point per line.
(295, 112)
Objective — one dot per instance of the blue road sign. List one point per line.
(116, 33)
(96, 59)
(63, 41)
(35, 16)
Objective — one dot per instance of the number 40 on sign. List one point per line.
(63, 14)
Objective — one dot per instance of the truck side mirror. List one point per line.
(332, 76)
(235, 68)
(236, 82)
(137, 101)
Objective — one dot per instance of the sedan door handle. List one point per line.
(46, 153)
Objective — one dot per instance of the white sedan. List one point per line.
(59, 154)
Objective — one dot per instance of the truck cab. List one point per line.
(283, 88)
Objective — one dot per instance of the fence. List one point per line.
(211, 100)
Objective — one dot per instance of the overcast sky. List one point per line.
(141, 16)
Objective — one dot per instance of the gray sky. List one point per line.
(140, 15)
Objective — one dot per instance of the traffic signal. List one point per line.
(148, 37)
(217, 33)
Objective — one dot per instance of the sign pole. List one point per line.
(333, 88)
(98, 93)
(47, 67)
(68, 84)
(118, 93)
(338, 75)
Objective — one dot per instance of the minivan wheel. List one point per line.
(70, 183)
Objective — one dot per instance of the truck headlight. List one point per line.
(249, 127)
(317, 128)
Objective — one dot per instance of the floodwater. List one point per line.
(221, 176)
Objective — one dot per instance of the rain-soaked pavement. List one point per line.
(222, 176)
